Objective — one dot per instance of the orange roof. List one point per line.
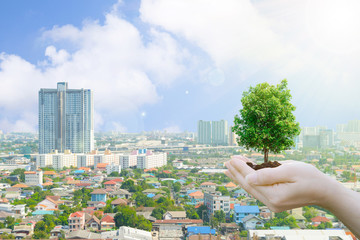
(48, 184)
(117, 180)
(150, 170)
(208, 183)
(29, 172)
(108, 219)
(179, 221)
(196, 194)
(199, 205)
(320, 219)
(110, 183)
(232, 205)
(102, 165)
(230, 185)
(76, 214)
(20, 185)
(49, 173)
(85, 169)
(166, 171)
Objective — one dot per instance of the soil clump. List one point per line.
(263, 165)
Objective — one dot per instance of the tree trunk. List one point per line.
(266, 155)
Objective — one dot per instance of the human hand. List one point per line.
(292, 184)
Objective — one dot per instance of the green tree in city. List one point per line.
(40, 235)
(20, 172)
(191, 212)
(266, 122)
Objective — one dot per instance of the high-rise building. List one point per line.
(213, 132)
(204, 132)
(219, 132)
(66, 119)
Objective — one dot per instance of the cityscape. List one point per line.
(123, 126)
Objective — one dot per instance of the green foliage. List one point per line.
(7, 236)
(177, 187)
(276, 221)
(20, 172)
(40, 235)
(130, 185)
(126, 216)
(220, 216)
(310, 212)
(191, 212)
(158, 212)
(223, 190)
(114, 174)
(142, 200)
(266, 122)
(203, 210)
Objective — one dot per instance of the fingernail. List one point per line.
(251, 178)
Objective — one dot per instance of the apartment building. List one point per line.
(33, 178)
(215, 202)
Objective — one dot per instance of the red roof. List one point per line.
(232, 205)
(320, 219)
(108, 219)
(76, 214)
(199, 205)
(101, 165)
(117, 180)
(166, 171)
(83, 184)
(110, 183)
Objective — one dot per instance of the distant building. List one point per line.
(240, 212)
(113, 168)
(66, 119)
(34, 178)
(215, 202)
(213, 132)
(98, 195)
(204, 132)
(151, 160)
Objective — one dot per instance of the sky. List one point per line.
(165, 64)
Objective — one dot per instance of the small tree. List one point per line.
(266, 122)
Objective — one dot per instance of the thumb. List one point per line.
(270, 176)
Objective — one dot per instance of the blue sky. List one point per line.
(163, 65)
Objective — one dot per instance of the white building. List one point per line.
(127, 233)
(151, 160)
(33, 178)
(112, 168)
(215, 202)
(128, 161)
(44, 160)
(85, 160)
(61, 160)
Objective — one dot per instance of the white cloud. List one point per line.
(172, 129)
(113, 59)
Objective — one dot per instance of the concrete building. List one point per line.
(85, 160)
(66, 119)
(128, 161)
(215, 202)
(112, 168)
(297, 234)
(76, 221)
(213, 132)
(148, 159)
(34, 178)
(204, 132)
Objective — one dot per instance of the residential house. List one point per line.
(24, 228)
(174, 222)
(76, 221)
(208, 186)
(174, 215)
(98, 195)
(50, 203)
(231, 186)
(318, 220)
(119, 201)
(93, 223)
(242, 211)
(127, 233)
(196, 197)
(252, 222)
(14, 209)
(107, 222)
(110, 184)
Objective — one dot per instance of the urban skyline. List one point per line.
(148, 73)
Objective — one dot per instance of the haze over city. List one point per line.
(163, 65)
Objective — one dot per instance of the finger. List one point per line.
(240, 179)
(241, 157)
(241, 166)
(270, 176)
(227, 173)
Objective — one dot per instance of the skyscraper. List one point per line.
(213, 132)
(204, 132)
(66, 119)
